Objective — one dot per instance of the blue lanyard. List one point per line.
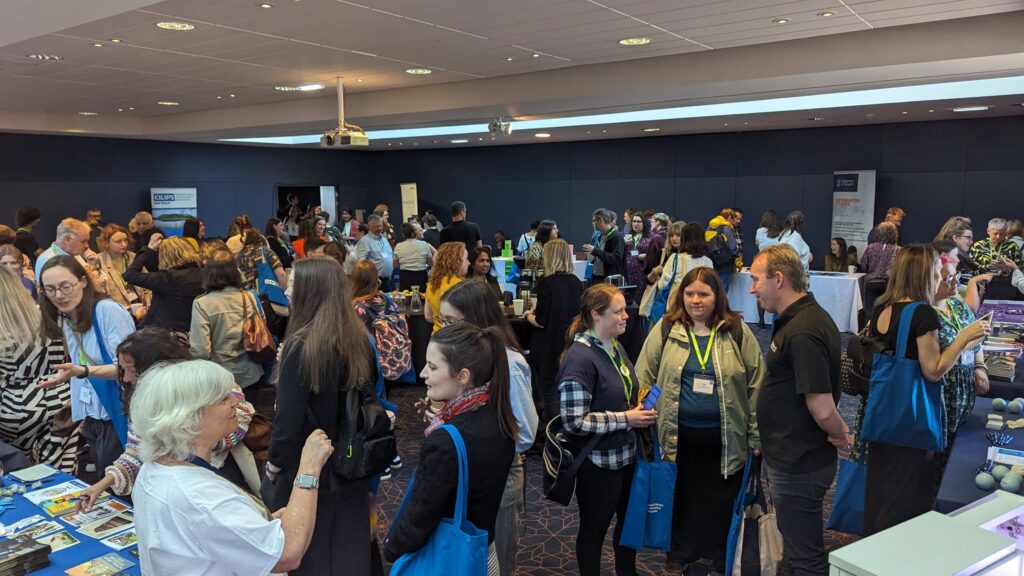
(202, 463)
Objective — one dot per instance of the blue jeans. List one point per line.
(726, 279)
(798, 509)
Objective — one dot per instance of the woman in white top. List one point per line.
(685, 249)
(769, 230)
(188, 519)
(793, 234)
(414, 256)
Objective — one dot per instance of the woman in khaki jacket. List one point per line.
(709, 367)
(218, 317)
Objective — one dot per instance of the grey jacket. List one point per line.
(216, 333)
(739, 372)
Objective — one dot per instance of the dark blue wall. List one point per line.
(932, 169)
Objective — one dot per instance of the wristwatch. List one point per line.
(307, 481)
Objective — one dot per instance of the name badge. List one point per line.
(85, 396)
(967, 358)
(704, 383)
(634, 253)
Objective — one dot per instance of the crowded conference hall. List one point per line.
(535, 288)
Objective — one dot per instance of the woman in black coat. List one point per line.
(558, 302)
(175, 279)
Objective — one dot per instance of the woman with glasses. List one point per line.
(547, 230)
(93, 326)
(636, 253)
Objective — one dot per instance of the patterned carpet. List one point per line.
(547, 543)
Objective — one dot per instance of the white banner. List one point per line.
(410, 201)
(171, 207)
(853, 207)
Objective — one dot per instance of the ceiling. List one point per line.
(533, 58)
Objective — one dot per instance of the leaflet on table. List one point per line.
(122, 540)
(34, 473)
(98, 512)
(41, 529)
(106, 565)
(56, 491)
(103, 528)
(20, 524)
(1006, 456)
(58, 540)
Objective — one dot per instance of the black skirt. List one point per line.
(902, 484)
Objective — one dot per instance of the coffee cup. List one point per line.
(533, 303)
(853, 269)
(517, 306)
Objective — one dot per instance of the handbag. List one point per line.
(857, 361)
(256, 338)
(457, 547)
(848, 503)
(904, 409)
(257, 437)
(754, 544)
(562, 460)
(661, 298)
(266, 282)
(648, 521)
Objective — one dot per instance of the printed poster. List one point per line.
(171, 207)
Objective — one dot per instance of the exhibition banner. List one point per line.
(853, 206)
(410, 201)
(171, 207)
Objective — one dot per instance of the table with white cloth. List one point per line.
(502, 265)
(838, 293)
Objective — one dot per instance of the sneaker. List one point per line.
(397, 462)
(387, 474)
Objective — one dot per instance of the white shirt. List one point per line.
(762, 240)
(794, 239)
(190, 521)
(115, 324)
(521, 399)
(413, 254)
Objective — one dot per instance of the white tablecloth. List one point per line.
(579, 268)
(839, 295)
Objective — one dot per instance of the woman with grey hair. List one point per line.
(188, 519)
(876, 262)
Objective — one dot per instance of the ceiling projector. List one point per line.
(500, 126)
(344, 139)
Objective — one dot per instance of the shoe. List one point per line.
(397, 462)
(387, 474)
(672, 569)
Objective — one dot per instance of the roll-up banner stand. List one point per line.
(853, 206)
(171, 207)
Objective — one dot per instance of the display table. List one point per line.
(502, 266)
(839, 294)
(87, 547)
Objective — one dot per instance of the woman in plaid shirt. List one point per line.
(599, 391)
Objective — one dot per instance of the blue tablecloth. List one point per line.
(969, 452)
(86, 549)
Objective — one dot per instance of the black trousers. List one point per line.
(872, 290)
(601, 494)
(409, 278)
(385, 284)
(104, 445)
(702, 509)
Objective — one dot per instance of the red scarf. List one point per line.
(466, 402)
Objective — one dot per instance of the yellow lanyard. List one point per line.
(621, 368)
(950, 317)
(702, 358)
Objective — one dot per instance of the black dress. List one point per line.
(173, 291)
(341, 537)
(902, 482)
(558, 301)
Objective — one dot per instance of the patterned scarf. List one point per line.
(466, 402)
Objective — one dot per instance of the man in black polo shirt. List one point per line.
(461, 231)
(796, 409)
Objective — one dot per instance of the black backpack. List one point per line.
(718, 251)
(367, 445)
(858, 359)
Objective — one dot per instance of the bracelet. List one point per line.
(981, 367)
(85, 368)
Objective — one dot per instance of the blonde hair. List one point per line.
(176, 252)
(556, 257)
(19, 316)
(108, 232)
(447, 264)
(785, 259)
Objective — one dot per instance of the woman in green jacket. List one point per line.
(709, 367)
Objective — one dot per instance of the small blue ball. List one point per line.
(1011, 482)
(985, 481)
(998, 472)
(1015, 406)
(998, 404)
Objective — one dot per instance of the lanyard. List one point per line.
(621, 368)
(202, 463)
(702, 359)
(951, 318)
(602, 240)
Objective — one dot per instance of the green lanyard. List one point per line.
(702, 359)
(602, 240)
(950, 317)
(621, 368)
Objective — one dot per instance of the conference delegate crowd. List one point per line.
(132, 359)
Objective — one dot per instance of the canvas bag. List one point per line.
(648, 521)
(754, 545)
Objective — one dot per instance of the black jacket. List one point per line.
(173, 290)
(613, 255)
(433, 496)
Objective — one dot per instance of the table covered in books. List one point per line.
(1004, 348)
(42, 533)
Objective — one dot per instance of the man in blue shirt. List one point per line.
(72, 240)
(376, 248)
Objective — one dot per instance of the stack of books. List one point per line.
(1002, 354)
(21, 555)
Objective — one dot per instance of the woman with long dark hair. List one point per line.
(467, 370)
(769, 230)
(837, 259)
(546, 230)
(636, 253)
(600, 391)
(194, 230)
(327, 352)
(482, 271)
(793, 234)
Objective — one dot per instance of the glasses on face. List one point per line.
(65, 288)
(449, 321)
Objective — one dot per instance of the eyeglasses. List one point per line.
(64, 288)
(449, 321)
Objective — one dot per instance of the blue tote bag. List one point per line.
(848, 504)
(457, 548)
(904, 409)
(648, 521)
(266, 282)
(661, 298)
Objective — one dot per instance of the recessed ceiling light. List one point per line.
(817, 118)
(604, 131)
(588, 131)
(265, 5)
(120, 109)
(46, 57)
(231, 95)
(931, 110)
(480, 139)
(419, 71)
(115, 40)
(167, 103)
(97, 45)
(725, 124)
(536, 55)
(639, 41)
(780, 21)
(826, 14)
(300, 88)
(176, 26)
(460, 141)
(904, 112)
(971, 109)
(359, 79)
(510, 59)
(220, 97)
(542, 135)
(131, 108)
(652, 129)
(88, 113)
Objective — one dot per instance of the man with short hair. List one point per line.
(376, 249)
(796, 410)
(94, 218)
(462, 231)
(143, 222)
(72, 240)
(431, 235)
(609, 250)
(26, 220)
(528, 238)
(989, 250)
